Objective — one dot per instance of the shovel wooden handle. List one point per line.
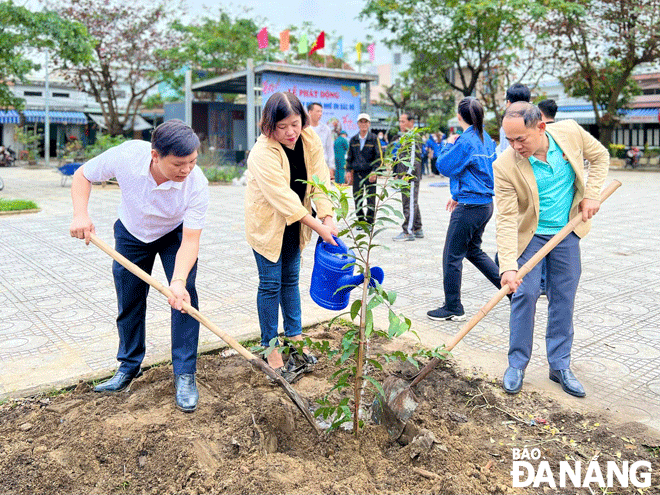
(254, 360)
(139, 272)
(524, 270)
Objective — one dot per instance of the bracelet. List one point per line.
(178, 278)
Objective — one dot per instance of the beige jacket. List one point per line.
(517, 196)
(271, 204)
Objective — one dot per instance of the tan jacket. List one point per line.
(271, 204)
(517, 196)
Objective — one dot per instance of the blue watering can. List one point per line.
(330, 273)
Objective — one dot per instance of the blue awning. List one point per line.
(9, 117)
(640, 116)
(55, 117)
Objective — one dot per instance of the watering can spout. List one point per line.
(353, 281)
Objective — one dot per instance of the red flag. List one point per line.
(319, 43)
(262, 38)
(284, 41)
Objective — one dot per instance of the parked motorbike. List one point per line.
(7, 156)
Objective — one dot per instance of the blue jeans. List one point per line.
(562, 277)
(466, 226)
(278, 286)
(132, 301)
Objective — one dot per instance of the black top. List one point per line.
(366, 159)
(296, 158)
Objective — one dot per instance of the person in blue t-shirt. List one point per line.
(468, 162)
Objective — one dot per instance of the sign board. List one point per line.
(340, 99)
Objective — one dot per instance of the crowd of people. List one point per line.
(535, 178)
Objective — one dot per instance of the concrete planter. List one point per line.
(616, 163)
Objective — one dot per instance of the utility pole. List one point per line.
(47, 117)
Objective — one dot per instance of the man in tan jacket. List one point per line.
(539, 186)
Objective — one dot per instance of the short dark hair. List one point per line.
(549, 108)
(278, 107)
(174, 137)
(408, 115)
(530, 114)
(472, 112)
(518, 92)
(312, 105)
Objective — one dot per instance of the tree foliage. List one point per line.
(129, 53)
(460, 42)
(23, 31)
(598, 44)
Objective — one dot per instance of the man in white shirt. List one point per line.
(315, 111)
(164, 198)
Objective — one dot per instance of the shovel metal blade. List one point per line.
(397, 405)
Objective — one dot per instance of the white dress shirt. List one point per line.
(147, 210)
(325, 134)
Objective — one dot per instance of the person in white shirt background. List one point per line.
(315, 112)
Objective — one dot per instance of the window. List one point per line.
(32, 93)
(60, 95)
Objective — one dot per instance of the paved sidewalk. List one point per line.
(57, 300)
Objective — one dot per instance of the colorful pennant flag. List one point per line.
(358, 49)
(319, 43)
(372, 51)
(284, 41)
(262, 38)
(340, 48)
(302, 45)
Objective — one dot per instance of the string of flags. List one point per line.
(304, 48)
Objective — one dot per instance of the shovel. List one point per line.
(399, 402)
(254, 360)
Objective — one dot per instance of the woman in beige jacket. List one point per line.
(278, 213)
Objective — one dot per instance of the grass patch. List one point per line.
(17, 204)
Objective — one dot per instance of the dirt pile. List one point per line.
(247, 438)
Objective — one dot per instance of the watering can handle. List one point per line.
(339, 242)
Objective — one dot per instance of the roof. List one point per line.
(236, 82)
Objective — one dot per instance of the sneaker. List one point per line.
(404, 237)
(419, 234)
(443, 314)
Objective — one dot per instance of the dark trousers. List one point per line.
(563, 271)
(132, 301)
(463, 240)
(364, 195)
(412, 218)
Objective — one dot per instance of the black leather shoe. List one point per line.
(513, 380)
(568, 382)
(186, 392)
(118, 382)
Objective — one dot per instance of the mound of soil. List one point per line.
(247, 437)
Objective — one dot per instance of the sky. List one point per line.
(339, 16)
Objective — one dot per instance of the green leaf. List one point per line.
(355, 308)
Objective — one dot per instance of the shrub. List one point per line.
(223, 173)
(103, 142)
(617, 150)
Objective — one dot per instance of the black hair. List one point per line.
(530, 114)
(408, 115)
(278, 107)
(549, 108)
(472, 113)
(175, 138)
(518, 92)
(312, 105)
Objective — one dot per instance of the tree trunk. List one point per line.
(605, 134)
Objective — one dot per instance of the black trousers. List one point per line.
(364, 195)
(463, 240)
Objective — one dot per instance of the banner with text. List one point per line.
(340, 99)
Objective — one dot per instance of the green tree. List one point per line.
(599, 43)
(130, 54)
(474, 47)
(23, 31)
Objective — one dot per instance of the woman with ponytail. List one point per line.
(468, 162)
